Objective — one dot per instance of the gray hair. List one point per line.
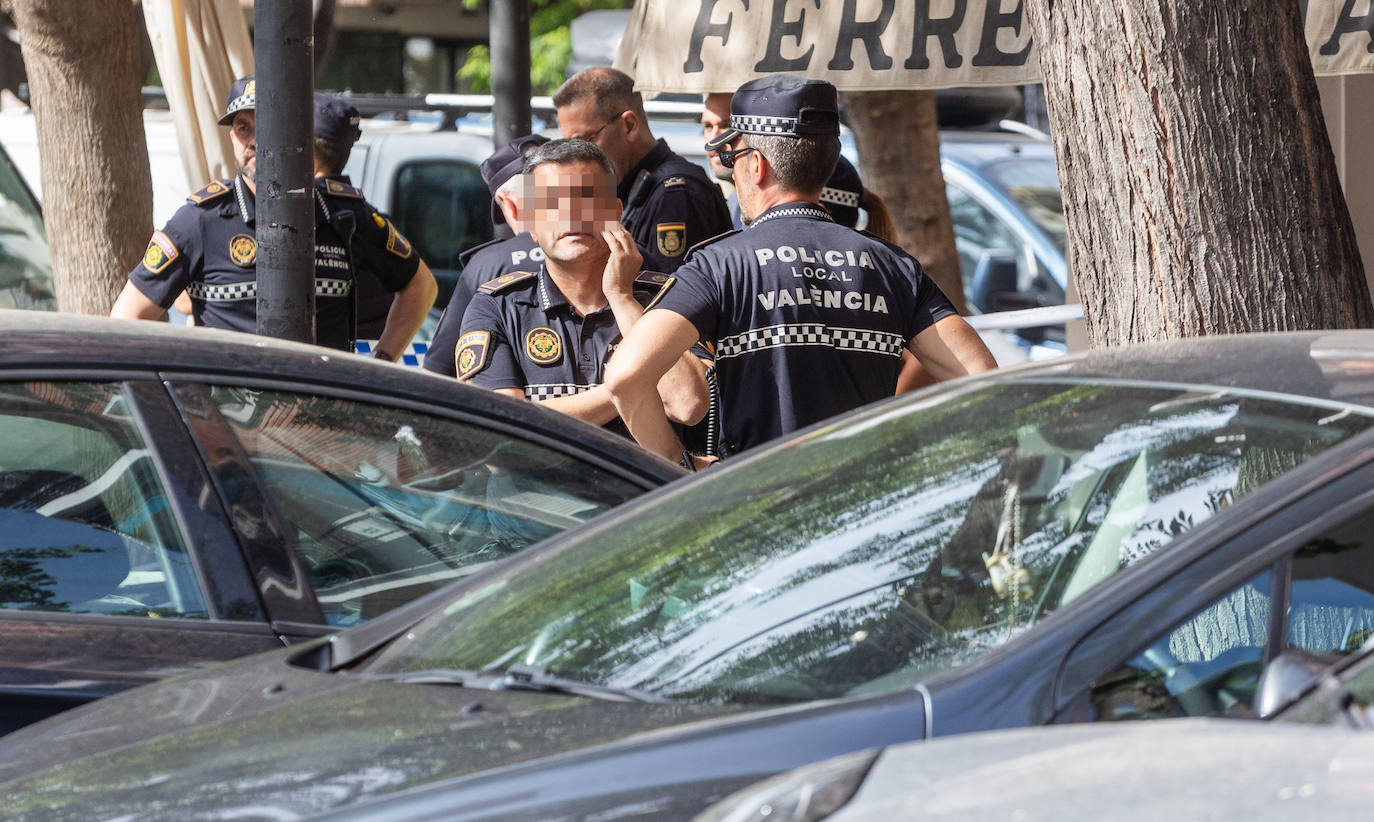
(563, 152)
(801, 164)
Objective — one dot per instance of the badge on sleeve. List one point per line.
(396, 242)
(243, 250)
(543, 346)
(472, 352)
(672, 239)
(160, 254)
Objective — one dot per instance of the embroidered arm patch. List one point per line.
(160, 254)
(472, 353)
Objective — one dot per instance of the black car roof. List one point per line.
(44, 343)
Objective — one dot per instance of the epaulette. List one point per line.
(674, 182)
(338, 188)
(211, 192)
(651, 278)
(468, 253)
(714, 239)
(505, 281)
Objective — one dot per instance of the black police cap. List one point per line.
(243, 96)
(782, 105)
(504, 163)
(336, 120)
(843, 194)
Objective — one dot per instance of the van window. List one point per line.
(443, 207)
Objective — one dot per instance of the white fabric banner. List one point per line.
(871, 45)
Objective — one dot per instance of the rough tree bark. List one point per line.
(905, 172)
(1199, 184)
(82, 60)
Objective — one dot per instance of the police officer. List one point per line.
(209, 250)
(808, 317)
(669, 202)
(486, 262)
(546, 334)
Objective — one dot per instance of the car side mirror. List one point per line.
(996, 274)
(1287, 677)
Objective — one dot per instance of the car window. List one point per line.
(444, 208)
(1034, 185)
(979, 232)
(872, 555)
(389, 504)
(85, 524)
(1331, 599)
(25, 261)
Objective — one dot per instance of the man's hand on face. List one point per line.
(624, 264)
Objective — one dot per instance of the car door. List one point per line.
(376, 502)
(117, 567)
(1197, 644)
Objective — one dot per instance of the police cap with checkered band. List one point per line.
(782, 105)
(243, 96)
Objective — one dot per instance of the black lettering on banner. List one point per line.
(779, 27)
(704, 28)
(943, 28)
(1347, 23)
(869, 32)
(994, 20)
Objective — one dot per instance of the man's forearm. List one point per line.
(407, 312)
(593, 406)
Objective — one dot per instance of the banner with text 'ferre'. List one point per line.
(870, 45)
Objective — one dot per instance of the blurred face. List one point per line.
(715, 118)
(566, 209)
(581, 121)
(242, 135)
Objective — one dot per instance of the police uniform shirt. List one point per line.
(808, 319)
(480, 264)
(521, 332)
(209, 249)
(672, 208)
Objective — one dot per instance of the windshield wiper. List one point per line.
(517, 677)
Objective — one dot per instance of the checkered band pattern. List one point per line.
(760, 124)
(237, 292)
(816, 213)
(414, 355)
(548, 392)
(839, 197)
(810, 334)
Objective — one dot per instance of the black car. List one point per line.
(1126, 534)
(171, 497)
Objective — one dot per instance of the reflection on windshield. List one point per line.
(1034, 185)
(867, 558)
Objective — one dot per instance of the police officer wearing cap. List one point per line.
(808, 317)
(545, 334)
(209, 250)
(669, 202)
(484, 263)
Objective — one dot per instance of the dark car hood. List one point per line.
(296, 741)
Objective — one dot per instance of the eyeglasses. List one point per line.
(591, 138)
(727, 156)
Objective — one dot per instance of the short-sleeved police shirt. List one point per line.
(808, 319)
(521, 332)
(675, 207)
(480, 264)
(209, 250)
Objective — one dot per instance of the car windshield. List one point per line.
(1034, 184)
(871, 554)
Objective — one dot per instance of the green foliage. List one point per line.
(550, 43)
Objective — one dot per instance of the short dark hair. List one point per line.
(612, 91)
(801, 164)
(564, 152)
(331, 157)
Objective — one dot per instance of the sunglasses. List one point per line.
(727, 157)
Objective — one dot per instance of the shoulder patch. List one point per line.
(505, 281)
(674, 182)
(672, 239)
(160, 254)
(213, 191)
(396, 242)
(341, 189)
(470, 355)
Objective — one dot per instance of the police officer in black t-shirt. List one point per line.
(486, 262)
(808, 318)
(547, 333)
(209, 249)
(669, 202)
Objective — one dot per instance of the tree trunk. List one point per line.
(1199, 185)
(897, 134)
(82, 60)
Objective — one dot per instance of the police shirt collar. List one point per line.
(245, 200)
(549, 295)
(796, 208)
(650, 161)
